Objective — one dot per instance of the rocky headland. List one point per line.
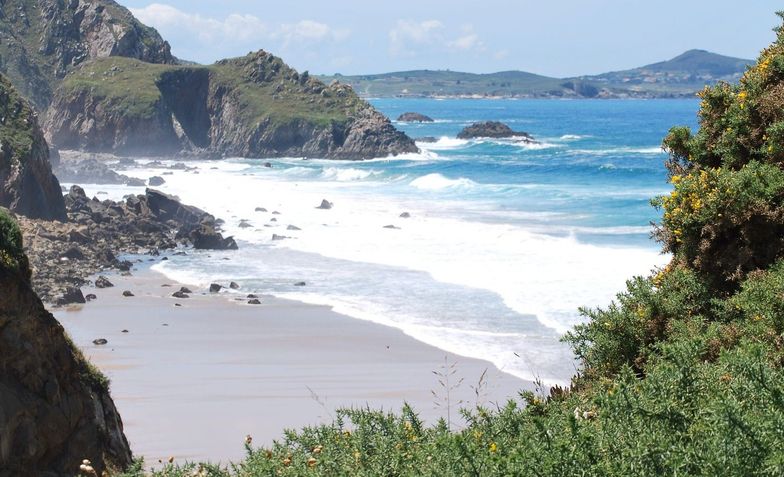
(254, 106)
(493, 130)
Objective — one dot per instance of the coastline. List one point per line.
(192, 381)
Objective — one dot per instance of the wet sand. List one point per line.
(192, 381)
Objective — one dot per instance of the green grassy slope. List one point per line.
(131, 87)
(682, 375)
(683, 75)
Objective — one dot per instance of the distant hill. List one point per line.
(681, 76)
(684, 74)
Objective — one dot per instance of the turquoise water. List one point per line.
(504, 242)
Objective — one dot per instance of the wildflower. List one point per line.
(493, 447)
(248, 440)
(675, 179)
(317, 450)
(287, 461)
(312, 462)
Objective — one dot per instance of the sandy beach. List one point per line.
(191, 381)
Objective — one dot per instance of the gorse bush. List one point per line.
(682, 375)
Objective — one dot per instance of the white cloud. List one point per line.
(407, 35)
(310, 31)
(408, 38)
(243, 30)
(467, 42)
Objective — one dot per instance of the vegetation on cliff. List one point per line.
(253, 106)
(44, 39)
(682, 375)
(27, 185)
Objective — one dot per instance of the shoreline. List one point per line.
(192, 381)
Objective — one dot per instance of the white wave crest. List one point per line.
(346, 174)
(436, 181)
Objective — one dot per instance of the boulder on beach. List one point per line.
(234, 286)
(325, 205)
(215, 288)
(493, 130)
(156, 181)
(72, 295)
(414, 118)
(180, 294)
(254, 301)
(128, 293)
(100, 341)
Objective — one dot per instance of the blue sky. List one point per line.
(550, 37)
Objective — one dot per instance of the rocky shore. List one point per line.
(64, 254)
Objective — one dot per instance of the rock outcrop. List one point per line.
(64, 255)
(42, 40)
(27, 185)
(493, 130)
(414, 118)
(253, 106)
(55, 408)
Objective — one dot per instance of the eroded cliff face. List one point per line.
(44, 39)
(254, 106)
(55, 410)
(27, 185)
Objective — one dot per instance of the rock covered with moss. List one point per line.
(44, 39)
(56, 408)
(253, 106)
(27, 185)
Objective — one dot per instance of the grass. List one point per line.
(126, 86)
(267, 89)
(271, 93)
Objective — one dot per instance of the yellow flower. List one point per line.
(675, 179)
(493, 447)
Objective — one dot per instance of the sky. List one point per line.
(551, 37)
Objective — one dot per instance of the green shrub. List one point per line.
(12, 257)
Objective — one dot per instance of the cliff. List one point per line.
(55, 409)
(42, 40)
(253, 106)
(27, 185)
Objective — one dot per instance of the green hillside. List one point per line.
(683, 75)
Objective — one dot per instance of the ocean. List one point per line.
(505, 240)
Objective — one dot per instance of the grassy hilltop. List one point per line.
(681, 76)
(682, 375)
